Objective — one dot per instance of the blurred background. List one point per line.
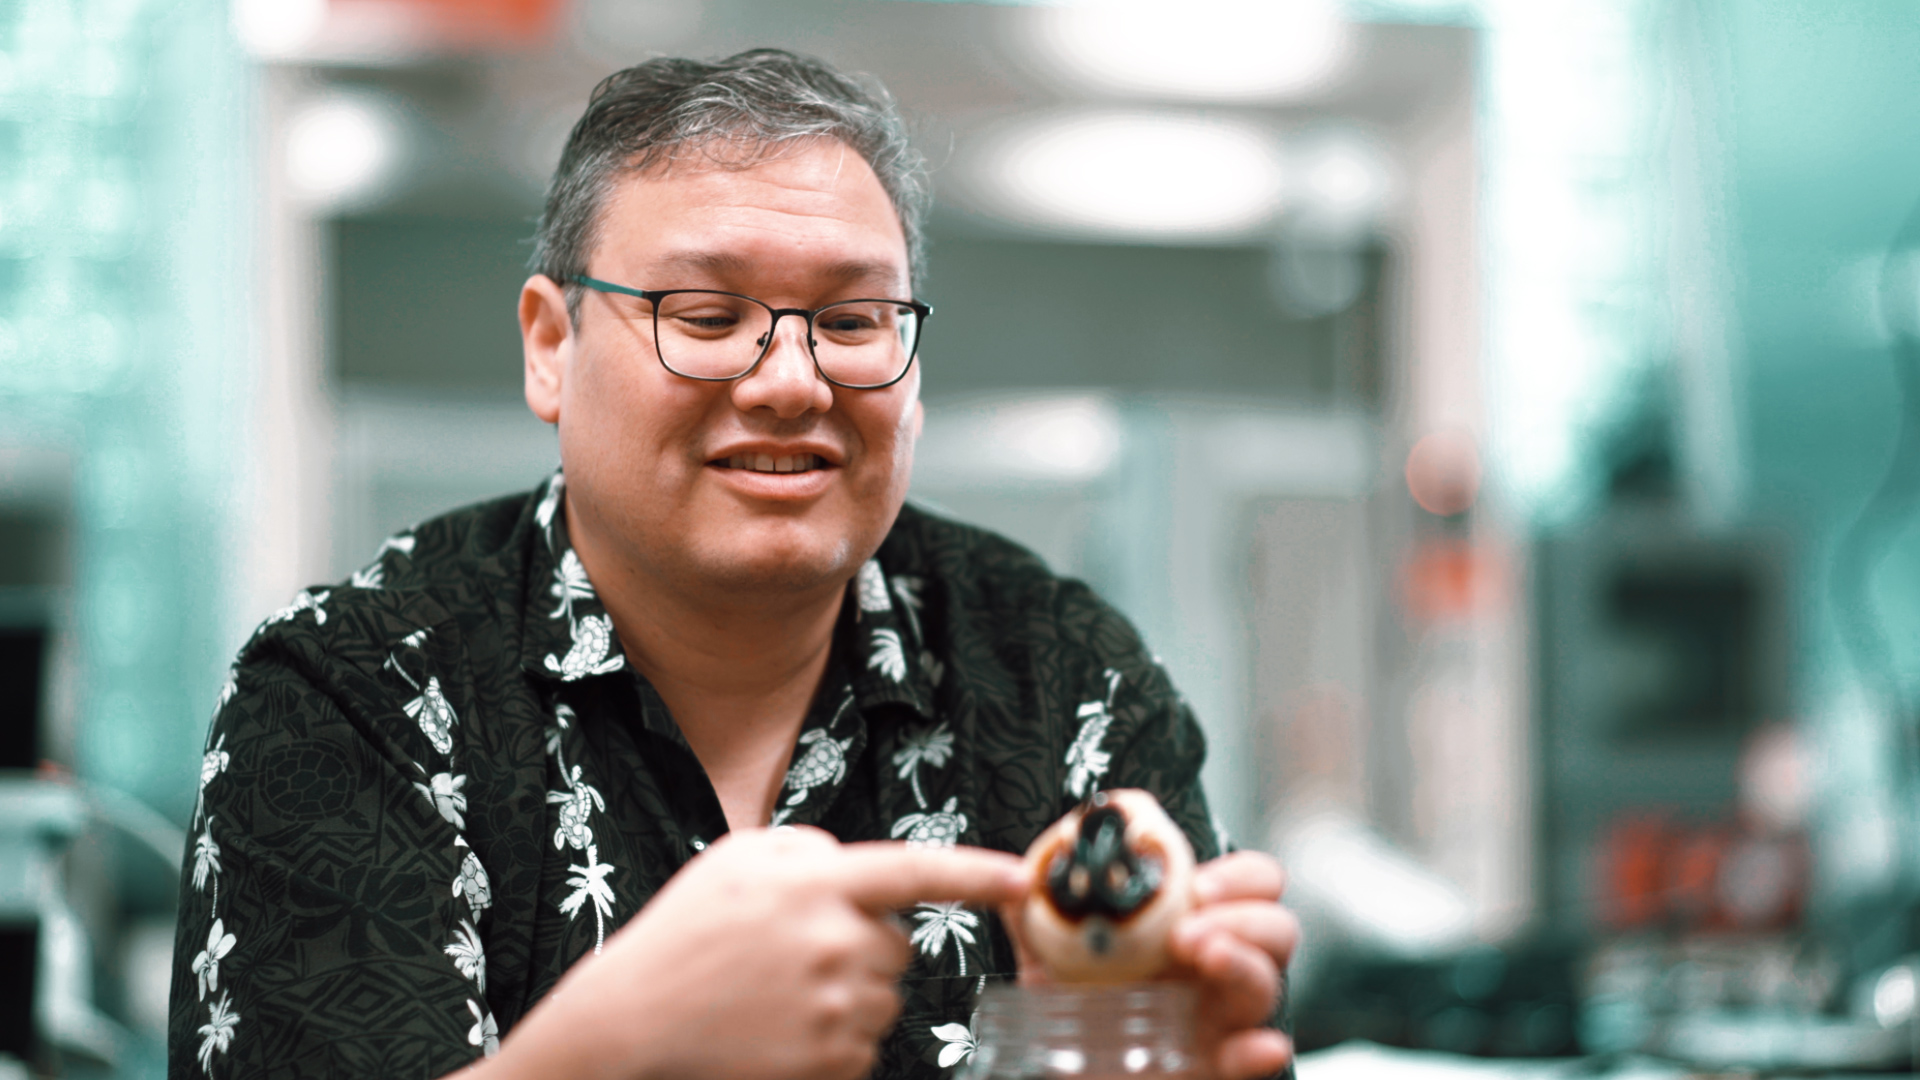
(1502, 417)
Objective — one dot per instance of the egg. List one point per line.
(1107, 884)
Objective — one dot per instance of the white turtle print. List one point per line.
(1086, 762)
(305, 601)
(442, 792)
(961, 1039)
(592, 641)
(435, 715)
(468, 954)
(938, 922)
(825, 762)
(472, 883)
(206, 965)
(931, 745)
(212, 764)
(938, 828)
(577, 804)
(550, 502)
(217, 1032)
(889, 654)
(870, 587)
(484, 1034)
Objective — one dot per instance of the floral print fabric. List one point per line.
(431, 789)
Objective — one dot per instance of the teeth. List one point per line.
(767, 463)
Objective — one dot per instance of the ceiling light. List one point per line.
(1131, 175)
(343, 150)
(1213, 50)
(277, 29)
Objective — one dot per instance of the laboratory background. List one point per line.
(1502, 417)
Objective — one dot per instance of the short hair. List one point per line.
(755, 103)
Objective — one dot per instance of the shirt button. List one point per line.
(699, 844)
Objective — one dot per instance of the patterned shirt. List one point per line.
(430, 790)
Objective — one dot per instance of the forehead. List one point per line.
(814, 207)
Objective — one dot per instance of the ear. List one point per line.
(546, 339)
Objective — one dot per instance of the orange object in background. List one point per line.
(1447, 578)
(462, 24)
(1655, 872)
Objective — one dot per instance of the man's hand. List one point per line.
(769, 955)
(1233, 946)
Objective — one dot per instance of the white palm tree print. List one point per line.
(961, 1039)
(570, 583)
(889, 654)
(443, 793)
(371, 576)
(589, 882)
(550, 502)
(1086, 762)
(484, 1034)
(576, 810)
(206, 965)
(468, 954)
(938, 922)
(906, 589)
(206, 860)
(217, 1032)
(932, 746)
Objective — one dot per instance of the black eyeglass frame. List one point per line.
(653, 296)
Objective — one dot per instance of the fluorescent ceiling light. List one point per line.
(277, 29)
(1133, 175)
(1211, 50)
(343, 150)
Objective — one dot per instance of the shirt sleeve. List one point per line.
(330, 910)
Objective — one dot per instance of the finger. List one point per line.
(1243, 875)
(878, 875)
(1266, 926)
(1257, 1052)
(1240, 983)
(1025, 964)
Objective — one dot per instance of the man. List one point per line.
(503, 799)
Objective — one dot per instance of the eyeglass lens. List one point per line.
(716, 336)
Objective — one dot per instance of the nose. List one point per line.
(786, 382)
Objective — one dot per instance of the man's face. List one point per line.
(654, 461)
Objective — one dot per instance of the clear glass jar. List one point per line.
(1096, 1032)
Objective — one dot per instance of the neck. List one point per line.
(737, 671)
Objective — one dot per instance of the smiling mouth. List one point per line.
(767, 463)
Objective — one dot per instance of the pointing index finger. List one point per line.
(883, 875)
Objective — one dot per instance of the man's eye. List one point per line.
(708, 323)
(846, 324)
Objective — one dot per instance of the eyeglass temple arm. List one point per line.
(597, 285)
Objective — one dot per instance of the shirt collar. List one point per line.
(566, 634)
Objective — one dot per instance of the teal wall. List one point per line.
(123, 314)
(1823, 101)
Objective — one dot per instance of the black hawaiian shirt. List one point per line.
(430, 790)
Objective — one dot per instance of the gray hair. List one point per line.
(737, 111)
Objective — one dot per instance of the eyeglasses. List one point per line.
(719, 336)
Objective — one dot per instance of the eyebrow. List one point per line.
(726, 264)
